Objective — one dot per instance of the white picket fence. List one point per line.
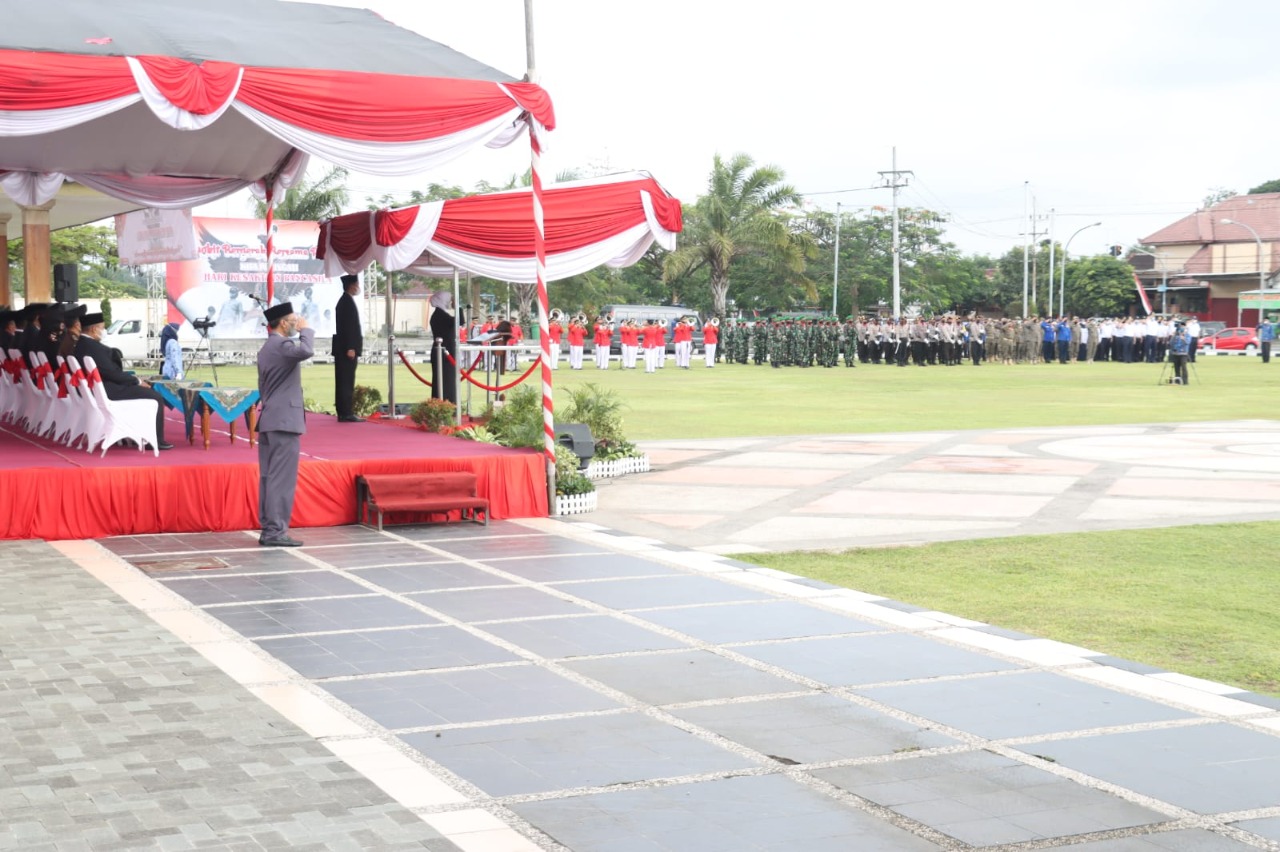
(617, 467)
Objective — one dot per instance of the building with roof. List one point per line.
(1212, 268)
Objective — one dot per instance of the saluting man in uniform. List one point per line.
(282, 421)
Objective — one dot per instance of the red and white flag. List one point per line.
(1142, 294)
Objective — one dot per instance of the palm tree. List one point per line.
(308, 201)
(739, 216)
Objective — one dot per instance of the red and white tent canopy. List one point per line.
(165, 104)
(608, 221)
(214, 128)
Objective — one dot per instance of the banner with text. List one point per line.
(225, 288)
(155, 236)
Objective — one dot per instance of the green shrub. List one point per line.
(432, 414)
(574, 483)
(567, 462)
(612, 450)
(518, 423)
(478, 433)
(598, 408)
(365, 399)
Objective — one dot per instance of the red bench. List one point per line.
(419, 492)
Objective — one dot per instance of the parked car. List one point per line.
(1231, 340)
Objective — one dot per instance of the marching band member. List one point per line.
(654, 342)
(603, 338)
(554, 333)
(577, 335)
(630, 343)
(711, 337)
(682, 336)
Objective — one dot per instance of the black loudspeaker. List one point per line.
(577, 437)
(66, 282)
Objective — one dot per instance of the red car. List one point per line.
(1231, 340)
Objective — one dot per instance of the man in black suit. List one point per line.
(348, 346)
(116, 382)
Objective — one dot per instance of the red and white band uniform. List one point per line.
(710, 337)
(629, 335)
(555, 332)
(517, 335)
(577, 334)
(682, 336)
(603, 338)
(654, 343)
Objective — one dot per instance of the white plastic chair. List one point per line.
(10, 390)
(84, 419)
(134, 419)
(46, 396)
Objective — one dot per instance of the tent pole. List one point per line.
(540, 249)
(391, 348)
(457, 362)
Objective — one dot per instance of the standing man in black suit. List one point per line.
(348, 346)
(116, 382)
(282, 421)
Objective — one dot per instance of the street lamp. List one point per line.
(1164, 278)
(1262, 273)
(1062, 283)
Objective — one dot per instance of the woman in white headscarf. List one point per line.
(444, 328)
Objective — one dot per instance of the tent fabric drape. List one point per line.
(605, 221)
(372, 123)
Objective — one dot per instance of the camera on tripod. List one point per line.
(203, 324)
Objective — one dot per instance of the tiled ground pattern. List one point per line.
(605, 693)
(838, 491)
(116, 735)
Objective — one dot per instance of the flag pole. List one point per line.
(540, 250)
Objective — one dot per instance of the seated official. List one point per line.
(116, 382)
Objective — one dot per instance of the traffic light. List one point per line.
(1117, 251)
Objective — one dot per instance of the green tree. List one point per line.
(739, 217)
(1268, 186)
(92, 248)
(1099, 286)
(310, 201)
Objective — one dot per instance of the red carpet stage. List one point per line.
(52, 492)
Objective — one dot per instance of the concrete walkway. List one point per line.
(567, 685)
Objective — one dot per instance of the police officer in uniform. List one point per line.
(282, 421)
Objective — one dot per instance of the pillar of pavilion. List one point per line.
(6, 292)
(35, 253)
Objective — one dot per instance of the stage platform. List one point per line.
(51, 492)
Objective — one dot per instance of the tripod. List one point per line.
(1165, 368)
(203, 327)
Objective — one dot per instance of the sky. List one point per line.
(1126, 113)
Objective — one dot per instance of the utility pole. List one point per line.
(891, 180)
(1053, 251)
(1030, 257)
(1026, 252)
(835, 275)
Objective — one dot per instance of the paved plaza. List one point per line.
(620, 684)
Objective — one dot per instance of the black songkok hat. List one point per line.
(278, 312)
(92, 319)
(348, 280)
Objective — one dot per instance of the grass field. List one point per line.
(1198, 600)
(741, 401)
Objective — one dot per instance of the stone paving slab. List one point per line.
(685, 701)
(117, 735)
(875, 490)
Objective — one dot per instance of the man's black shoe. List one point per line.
(351, 419)
(164, 445)
(283, 541)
